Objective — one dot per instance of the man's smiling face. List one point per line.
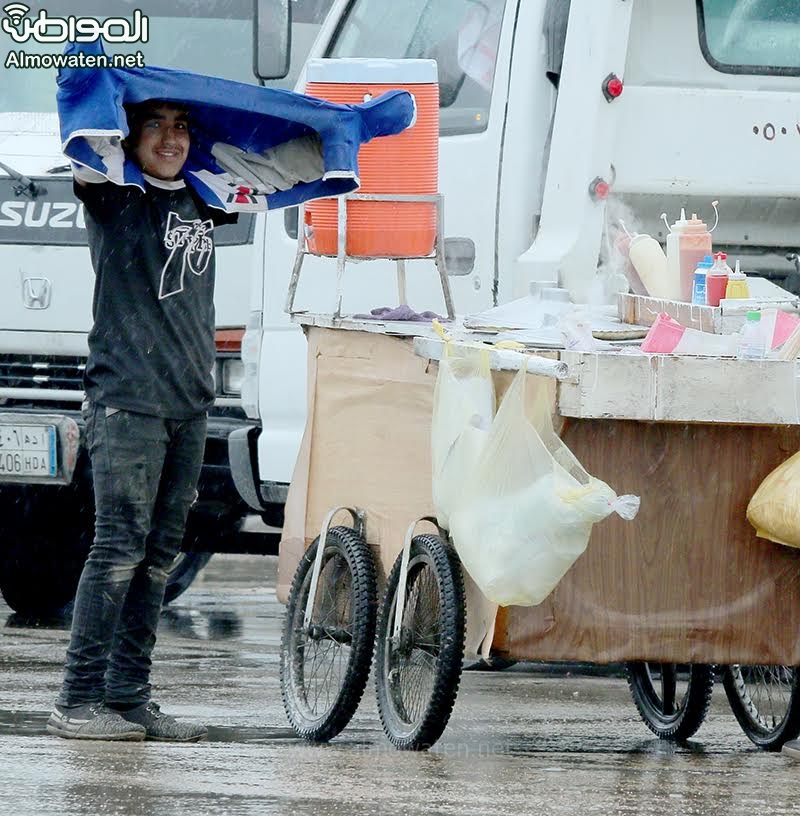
(162, 142)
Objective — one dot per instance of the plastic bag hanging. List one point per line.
(463, 409)
(528, 506)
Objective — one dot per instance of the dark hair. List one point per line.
(138, 112)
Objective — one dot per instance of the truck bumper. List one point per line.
(217, 491)
(243, 458)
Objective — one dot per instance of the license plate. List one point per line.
(28, 450)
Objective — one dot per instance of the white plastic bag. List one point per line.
(463, 408)
(526, 511)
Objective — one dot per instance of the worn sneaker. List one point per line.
(163, 727)
(791, 749)
(92, 721)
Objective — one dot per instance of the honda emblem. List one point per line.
(36, 293)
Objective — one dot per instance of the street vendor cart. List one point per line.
(683, 587)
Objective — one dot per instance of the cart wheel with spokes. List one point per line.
(325, 663)
(672, 700)
(765, 701)
(417, 671)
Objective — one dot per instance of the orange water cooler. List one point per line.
(397, 211)
(404, 164)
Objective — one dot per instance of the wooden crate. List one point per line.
(727, 318)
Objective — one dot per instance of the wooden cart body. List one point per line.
(686, 581)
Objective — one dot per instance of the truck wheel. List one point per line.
(33, 584)
(185, 568)
(44, 542)
(36, 582)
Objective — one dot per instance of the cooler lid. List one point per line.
(362, 70)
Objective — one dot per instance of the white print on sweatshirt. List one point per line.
(191, 247)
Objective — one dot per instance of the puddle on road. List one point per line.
(522, 746)
(61, 621)
(22, 723)
(251, 734)
(32, 724)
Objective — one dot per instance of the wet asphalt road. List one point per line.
(526, 740)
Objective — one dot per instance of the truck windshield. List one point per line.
(751, 36)
(209, 37)
(461, 35)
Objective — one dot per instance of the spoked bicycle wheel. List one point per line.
(672, 700)
(325, 664)
(765, 701)
(418, 671)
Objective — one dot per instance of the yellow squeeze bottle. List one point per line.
(737, 284)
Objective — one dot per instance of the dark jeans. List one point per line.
(145, 476)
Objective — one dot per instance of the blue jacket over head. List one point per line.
(252, 148)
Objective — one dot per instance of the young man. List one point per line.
(148, 385)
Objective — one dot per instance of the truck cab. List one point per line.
(560, 122)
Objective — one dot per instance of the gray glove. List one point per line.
(278, 168)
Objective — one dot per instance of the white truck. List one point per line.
(557, 119)
(46, 504)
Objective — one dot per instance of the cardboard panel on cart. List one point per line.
(367, 445)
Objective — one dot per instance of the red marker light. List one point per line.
(599, 189)
(612, 87)
(229, 340)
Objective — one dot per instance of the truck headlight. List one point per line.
(232, 376)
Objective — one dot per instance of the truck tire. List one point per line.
(45, 537)
(185, 569)
(34, 586)
(32, 583)
(44, 541)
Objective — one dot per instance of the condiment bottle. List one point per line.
(688, 242)
(737, 284)
(650, 262)
(717, 279)
(622, 246)
(751, 338)
(699, 286)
